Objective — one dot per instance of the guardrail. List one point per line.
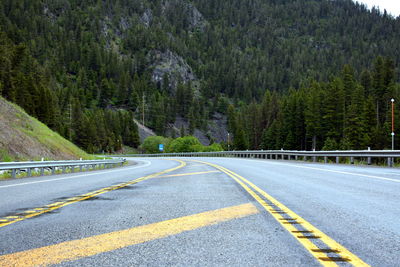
(315, 156)
(53, 166)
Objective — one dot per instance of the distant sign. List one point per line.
(161, 147)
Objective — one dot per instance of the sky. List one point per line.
(391, 6)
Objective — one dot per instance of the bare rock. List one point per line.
(169, 64)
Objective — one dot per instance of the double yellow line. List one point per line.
(4, 221)
(324, 249)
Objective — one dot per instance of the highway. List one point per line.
(204, 212)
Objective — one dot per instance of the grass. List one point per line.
(45, 136)
(4, 156)
(53, 140)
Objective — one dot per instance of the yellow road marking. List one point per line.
(289, 224)
(75, 249)
(53, 206)
(186, 174)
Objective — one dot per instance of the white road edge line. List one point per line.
(340, 172)
(147, 163)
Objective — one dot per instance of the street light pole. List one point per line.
(392, 124)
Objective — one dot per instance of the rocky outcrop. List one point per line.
(216, 130)
(195, 20)
(168, 65)
(147, 17)
(144, 132)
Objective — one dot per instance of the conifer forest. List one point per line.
(291, 74)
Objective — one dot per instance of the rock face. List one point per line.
(193, 17)
(196, 19)
(169, 65)
(144, 132)
(216, 130)
(147, 17)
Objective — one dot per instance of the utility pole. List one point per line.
(392, 124)
(143, 104)
(70, 121)
(229, 149)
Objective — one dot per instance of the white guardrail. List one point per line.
(65, 165)
(315, 156)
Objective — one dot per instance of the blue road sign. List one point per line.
(161, 147)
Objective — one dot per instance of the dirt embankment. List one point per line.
(25, 138)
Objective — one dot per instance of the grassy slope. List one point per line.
(23, 137)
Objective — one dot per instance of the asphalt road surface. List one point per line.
(204, 212)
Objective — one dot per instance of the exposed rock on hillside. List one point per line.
(216, 130)
(147, 17)
(144, 132)
(194, 19)
(169, 64)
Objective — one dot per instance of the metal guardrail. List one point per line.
(53, 166)
(388, 155)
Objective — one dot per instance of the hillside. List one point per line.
(25, 138)
(97, 64)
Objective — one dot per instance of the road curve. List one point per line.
(204, 211)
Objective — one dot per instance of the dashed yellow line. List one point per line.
(59, 204)
(299, 228)
(75, 249)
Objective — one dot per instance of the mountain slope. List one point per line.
(25, 138)
(176, 59)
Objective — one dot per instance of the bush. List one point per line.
(213, 148)
(151, 143)
(185, 144)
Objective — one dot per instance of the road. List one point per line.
(204, 212)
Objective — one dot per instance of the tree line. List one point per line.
(351, 111)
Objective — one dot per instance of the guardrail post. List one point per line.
(72, 169)
(314, 159)
(390, 162)
(351, 160)
(326, 159)
(53, 170)
(29, 172)
(305, 158)
(13, 173)
(80, 168)
(337, 160)
(369, 162)
(63, 169)
(296, 157)
(41, 171)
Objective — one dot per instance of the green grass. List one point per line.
(48, 138)
(4, 156)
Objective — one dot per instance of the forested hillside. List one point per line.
(290, 73)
